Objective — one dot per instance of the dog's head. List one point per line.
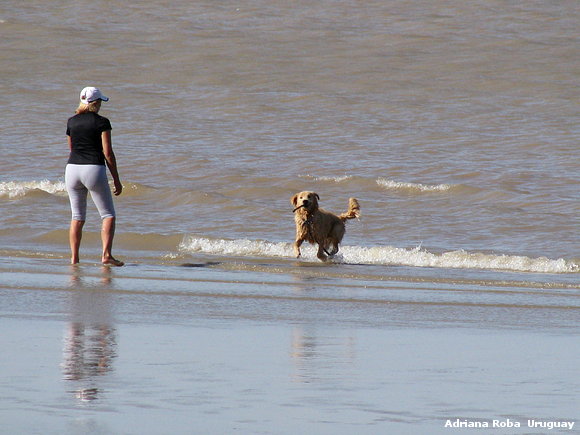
(307, 200)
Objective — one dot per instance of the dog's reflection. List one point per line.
(90, 342)
(320, 357)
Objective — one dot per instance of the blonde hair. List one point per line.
(93, 106)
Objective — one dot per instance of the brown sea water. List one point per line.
(455, 125)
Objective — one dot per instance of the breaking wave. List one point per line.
(382, 255)
(418, 187)
(253, 248)
(18, 189)
(337, 179)
(384, 183)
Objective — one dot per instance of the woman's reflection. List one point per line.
(90, 343)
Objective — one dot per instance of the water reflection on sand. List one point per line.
(318, 356)
(90, 341)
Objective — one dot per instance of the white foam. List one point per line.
(254, 248)
(399, 185)
(15, 189)
(336, 179)
(455, 259)
(385, 255)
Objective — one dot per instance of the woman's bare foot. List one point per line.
(111, 261)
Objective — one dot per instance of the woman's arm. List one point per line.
(111, 161)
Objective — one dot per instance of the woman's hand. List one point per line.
(118, 187)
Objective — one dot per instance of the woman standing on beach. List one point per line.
(89, 140)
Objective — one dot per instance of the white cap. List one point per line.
(90, 94)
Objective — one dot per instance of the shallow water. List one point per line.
(298, 378)
(213, 348)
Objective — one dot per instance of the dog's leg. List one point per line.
(330, 248)
(335, 238)
(297, 244)
(321, 255)
(334, 250)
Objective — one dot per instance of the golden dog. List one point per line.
(318, 226)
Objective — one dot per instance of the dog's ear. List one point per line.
(315, 201)
(294, 200)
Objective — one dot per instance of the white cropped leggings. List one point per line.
(81, 179)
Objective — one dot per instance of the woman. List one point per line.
(89, 140)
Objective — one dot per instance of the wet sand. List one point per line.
(220, 348)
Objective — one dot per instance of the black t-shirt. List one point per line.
(85, 131)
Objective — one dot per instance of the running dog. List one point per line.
(318, 226)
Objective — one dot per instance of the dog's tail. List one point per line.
(353, 210)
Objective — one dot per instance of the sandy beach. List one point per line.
(242, 347)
